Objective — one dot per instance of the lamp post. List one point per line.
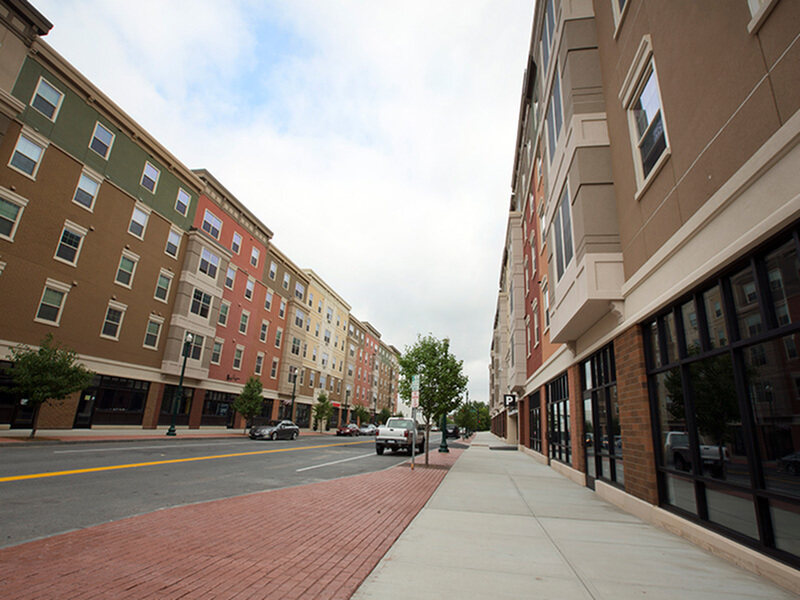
(293, 372)
(443, 445)
(179, 394)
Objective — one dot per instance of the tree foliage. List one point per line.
(46, 375)
(249, 402)
(323, 409)
(359, 414)
(473, 416)
(384, 415)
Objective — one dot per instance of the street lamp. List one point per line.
(179, 394)
(443, 445)
(293, 372)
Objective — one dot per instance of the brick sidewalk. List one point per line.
(313, 541)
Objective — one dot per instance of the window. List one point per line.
(274, 371)
(230, 277)
(546, 307)
(563, 234)
(310, 299)
(86, 192)
(254, 255)
(327, 336)
(548, 28)
(162, 285)
(299, 290)
(216, 352)
(296, 346)
(150, 175)
(554, 116)
(249, 287)
(138, 222)
(286, 281)
(53, 297)
(278, 336)
(152, 332)
(535, 312)
(282, 310)
(209, 263)
(201, 303)
(299, 317)
(182, 201)
(243, 321)
(47, 99)
(236, 244)
(273, 269)
(324, 359)
(238, 354)
(330, 314)
(11, 207)
(259, 363)
(211, 224)
(268, 301)
(618, 7)
(126, 269)
(27, 154)
(69, 246)
(196, 347)
(641, 98)
(224, 310)
(113, 320)
(102, 140)
(173, 243)
(262, 335)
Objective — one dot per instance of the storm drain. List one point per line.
(502, 447)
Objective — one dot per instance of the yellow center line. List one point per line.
(168, 462)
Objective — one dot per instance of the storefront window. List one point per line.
(558, 408)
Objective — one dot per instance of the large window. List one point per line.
(562, 228)
(602, 434)
(27, 155)
(201, 303)
(209, 263)
(554, 118)
(47, 99)
(535, 420)
(724, 378)
(211, 224)
(558, 419)
(10, 214)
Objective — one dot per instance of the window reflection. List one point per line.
(745, 300)
(672, 421)
(784, 283)
(733, 510)
(672, 337)
(786, 523)
(691, 330)
(655, 350)
(715, 319)
(680, 493)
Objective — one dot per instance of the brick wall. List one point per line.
(59, 414)
(634, 413)
(576, 418)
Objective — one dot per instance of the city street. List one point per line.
(51, 489)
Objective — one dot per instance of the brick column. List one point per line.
(152, 406)
(522, 419)
(634, 416)
(576, 418)
(196, 409)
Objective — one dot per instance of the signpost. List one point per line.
(414, 406)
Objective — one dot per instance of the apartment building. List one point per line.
(142, 265)
(650, 266)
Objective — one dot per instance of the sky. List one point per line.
(375, 138)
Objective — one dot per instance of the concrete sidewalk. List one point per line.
(502, 525)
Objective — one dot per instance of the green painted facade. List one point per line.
(72, 132)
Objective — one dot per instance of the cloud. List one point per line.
(375, 138)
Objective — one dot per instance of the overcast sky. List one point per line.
(375, 138)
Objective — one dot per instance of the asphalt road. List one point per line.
(45, 490)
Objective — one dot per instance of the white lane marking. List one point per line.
(144, 447)
(334, 462)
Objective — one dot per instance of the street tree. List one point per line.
(384, 415)
(323, 410)
(46, 375)
(472, 416)
(249, 402)
(442, 381)
(360, 414)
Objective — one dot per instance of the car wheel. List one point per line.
(379, 449)
(274, 436)
(294, 435)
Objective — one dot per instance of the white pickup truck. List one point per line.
(676, 451)
(397, 434)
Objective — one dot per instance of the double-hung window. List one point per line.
(238, 355)
(209, 263)
(150, 175)
(138, 222)
(230, 277)
(563, 233)
(254, 255)
(273, 269)
(69, 245)
(548, 28)
(259, 363)
(236, 244)
(274, 371)
(278, 336)
(28, 152)
(126, 268)
(201, 303)
(216, 351)
(224, 310)
(286, 280)
(299, 290)
(554, 116)
(173, 243)
(262, 336)
(162, 285)
(282, 309)
(249, 287)
(211, 224)
(47, 99)
(11, 207)
(52, 302)
(102, 140)
(196, 347)
(268, 301)
(112, 323)
(152, 332)
(182, 201)
(86, 192)
(243, 321)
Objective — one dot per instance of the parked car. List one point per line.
(790, 463)
(676, 451)
(349, 429)
(452, 431)
(398, 434)
(283, 430)
(368, 429)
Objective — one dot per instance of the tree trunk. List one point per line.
(427, 440)
(35, 420)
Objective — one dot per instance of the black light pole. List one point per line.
(293, 372)
(179, 394)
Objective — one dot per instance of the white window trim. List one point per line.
(60, 100)
(619, 16)
(255, 253)
(135, 258)
(158, 176)
(241, 241)
(111, 145)
(760, 13)
(239, 348)
(245, 313)
(231, 266)
(94, 176)
(631, 88)
(38, 140)
(160, 321)
(221, 342)
(258, 368)
(273, 374)
(75, 228)
(210, 262)
(147, 211)
(179, 233)
(116, 306)
(219, 229)
(59, 286)
(21, 202)
(169, 275)
(227, 314)
(188, 203)
(251, 282)
(273, 272)
(262, 337)
(279, 337)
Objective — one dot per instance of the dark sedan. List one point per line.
(283, 430)
(349, 429)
